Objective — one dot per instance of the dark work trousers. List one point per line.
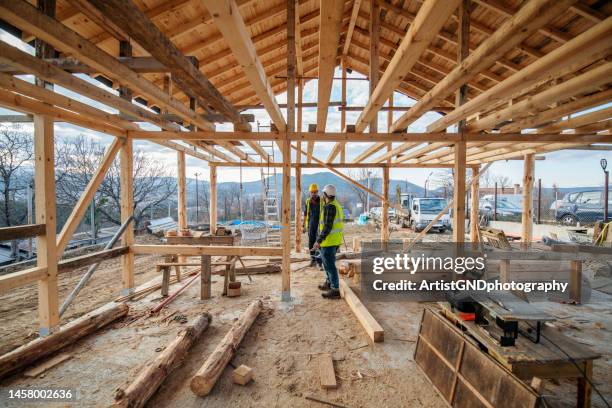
(328, 254)
(313, 233)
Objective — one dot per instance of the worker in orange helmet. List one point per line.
(312, 213)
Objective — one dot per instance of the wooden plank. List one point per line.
(47, 365)
(512, 32)
(45, 210)
(329, 39)
(230, 24)
(193, 250)
(17, 279)
(327, 375)
(576, 282)
(141, 65)
(21, 231)
(349, 32)
(99, 19)
(374, 62)
(286, 223)
(384, 230)
(66, 335)
(370, 325)
(66, 265)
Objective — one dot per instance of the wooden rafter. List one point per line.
(229, 22)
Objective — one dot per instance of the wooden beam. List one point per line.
(45, 211)
(374, 330)
(351, 27)
(81, 206)
(213, 250)
(138, 26)
(527, 20)
(126, 181)
(374, 62)
(431, 17)
(384, 229)
(586, 82)
(182, 191)
(286, 223)
(141, 65)
(17, 279)
(329, 39)
(527, 215)
(229, 22)
(581, 50)
(21, 231)
(99, 19)
(25, 16)
(212, 212)
(70, 264)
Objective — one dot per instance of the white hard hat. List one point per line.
(330, 190)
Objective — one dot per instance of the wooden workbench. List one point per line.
(542, 360)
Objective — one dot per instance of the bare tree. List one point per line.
(502, 181)
(443, 179)
(15, 151)
(153, 182)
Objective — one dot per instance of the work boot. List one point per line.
(324, 286)
(331, 294)
(321, 267)
(313, 263)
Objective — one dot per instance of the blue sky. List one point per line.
(568, 168)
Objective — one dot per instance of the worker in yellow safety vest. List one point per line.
(312, 213)
(331, 235)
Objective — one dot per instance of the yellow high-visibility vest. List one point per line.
(336, 235)
(308, 209)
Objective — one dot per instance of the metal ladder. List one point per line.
(270, 197)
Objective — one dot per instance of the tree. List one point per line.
(80, 157)
(443, 180)
(16, 150)
(361, 176)
(502, 181)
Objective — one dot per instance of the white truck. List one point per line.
(424, 210)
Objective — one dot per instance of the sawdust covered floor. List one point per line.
(282, 347)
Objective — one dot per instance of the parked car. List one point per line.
(582, 206)
(514, 199)
(505, 209)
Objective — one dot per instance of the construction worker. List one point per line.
(330, 237)
(312, 213)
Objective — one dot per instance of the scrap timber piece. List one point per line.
(206, 377)
(326, 372)
(371, 326)
(65, 335)
(242, 375)
(153, 375)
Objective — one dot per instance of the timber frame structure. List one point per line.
(507, 75)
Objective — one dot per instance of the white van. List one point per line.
(424, 210)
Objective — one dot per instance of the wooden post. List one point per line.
(213, 199)
(527, 216)
(298, 176)
(343, 112)
(389, 124)
(286, 150)
(384, 230)
(374, 61)
(576, 281)
(474, 205)
(459, 149)
(126, 176)
(286, 224)
(181, 201)
(205, 272)
(44, 173)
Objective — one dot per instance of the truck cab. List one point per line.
(424, 210)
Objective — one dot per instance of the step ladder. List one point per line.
(270, 198)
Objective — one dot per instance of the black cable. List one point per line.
(576, 364)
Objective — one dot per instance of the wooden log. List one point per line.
(206, 377)
(150, 378)
(65, 335)
(371, 326)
